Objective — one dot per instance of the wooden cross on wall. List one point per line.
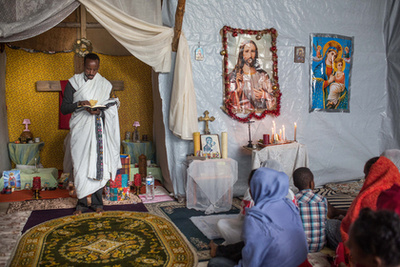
(55, 86)
(206, 119)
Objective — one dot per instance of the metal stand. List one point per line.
(250, 142)
(36, 194)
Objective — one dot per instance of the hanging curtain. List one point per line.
(23, 19)
(148, 42)
(152, 44)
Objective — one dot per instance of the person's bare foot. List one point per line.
(213, 249)
(99, 210)
(77, 212)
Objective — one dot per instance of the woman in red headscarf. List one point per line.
(382, 175)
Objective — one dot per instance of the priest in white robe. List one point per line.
(94, 133)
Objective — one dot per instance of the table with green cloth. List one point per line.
(155, 171)
(135, 149)
(25, 154)
(47, 175)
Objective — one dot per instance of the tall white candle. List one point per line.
(295, 130)
(273, 128)
(283, 133)
(224, 145)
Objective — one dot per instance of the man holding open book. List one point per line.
(95, 137)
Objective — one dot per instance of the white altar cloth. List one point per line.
(209, 184)
(290, 156)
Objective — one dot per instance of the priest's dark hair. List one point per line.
(91, 56)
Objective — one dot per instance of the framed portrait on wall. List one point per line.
(299, 54)
(210, 147)
(330, 72)
(250, 73)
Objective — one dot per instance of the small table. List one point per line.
(25, 154)
(209, 184)
(135, 149)
(155, 171)
(47, 175)
(290, 156)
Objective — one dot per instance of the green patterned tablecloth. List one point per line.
(155, 171)
(47, 175)
(136, 149)
(25, 154)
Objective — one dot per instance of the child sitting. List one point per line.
(315, 211)
(374, 239)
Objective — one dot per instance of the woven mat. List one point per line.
(339, 201)
(180, 216)
(60, 203)
(113, 238)
(11, 226)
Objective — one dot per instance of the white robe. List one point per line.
(83, 136)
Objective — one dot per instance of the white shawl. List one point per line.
(83, 135)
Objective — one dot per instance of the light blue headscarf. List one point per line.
(272, 230)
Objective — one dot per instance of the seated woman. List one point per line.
(231, 229)
(272, 230)
(382, 175)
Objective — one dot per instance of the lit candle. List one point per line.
(273, 127)
(295, 130)
(283, 133)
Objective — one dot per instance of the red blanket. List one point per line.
(382, 176)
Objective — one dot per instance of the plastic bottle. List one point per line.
(149, 187)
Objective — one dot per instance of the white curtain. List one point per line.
(23, 19)
(152, 44)
(149, 42)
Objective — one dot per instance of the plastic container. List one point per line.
(149, 187)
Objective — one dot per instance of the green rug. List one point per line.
(113, 238)
(180, 216)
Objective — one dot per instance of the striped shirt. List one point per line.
(313, 211)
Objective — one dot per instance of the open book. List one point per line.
(93, 105)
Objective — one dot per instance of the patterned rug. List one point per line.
(339, 201)
(114, 238)
(180, 216)
(60, 203)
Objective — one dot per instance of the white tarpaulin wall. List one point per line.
(338, 143)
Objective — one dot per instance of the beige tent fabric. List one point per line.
(152, 44)
(183, 109)
(148, 42)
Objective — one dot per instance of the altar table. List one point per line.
(290, 156)
(25, 154)
(47, 175)
(135, 149)
(209, 184)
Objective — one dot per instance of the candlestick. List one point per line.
(280, 135)
(36, 185)
(295, 130)
(283, 133)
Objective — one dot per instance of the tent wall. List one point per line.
(338, 143)
(5, 163)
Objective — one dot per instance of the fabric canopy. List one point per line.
(23, 19)
(152, 44)
(148, 42)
